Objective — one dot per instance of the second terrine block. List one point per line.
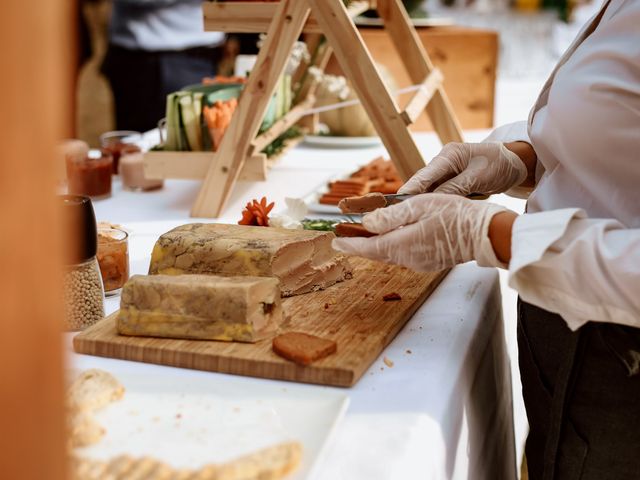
(205, 307)
(302, 260)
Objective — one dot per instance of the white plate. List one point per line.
(191, 421)
(316, 207)
(311, 199)
(328, 141)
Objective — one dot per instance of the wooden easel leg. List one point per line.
(236, 146)
(418, 65)
(356, 62)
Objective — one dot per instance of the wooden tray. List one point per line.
(353, 313)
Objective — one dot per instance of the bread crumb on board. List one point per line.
(388, 362)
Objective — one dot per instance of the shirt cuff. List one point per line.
(511, 132)
(531, 237)
(484, 252)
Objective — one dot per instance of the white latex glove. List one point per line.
(427, 233)
(464, 168)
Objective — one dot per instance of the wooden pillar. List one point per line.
(36, 61)
(418, 65)
(290, 17)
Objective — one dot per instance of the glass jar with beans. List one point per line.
(83, 288)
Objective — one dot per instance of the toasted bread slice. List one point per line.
(352, 230)
(303, 348)
(93, 390)
(362, 204)
(84, 430)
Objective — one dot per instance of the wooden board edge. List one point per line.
(313, 374)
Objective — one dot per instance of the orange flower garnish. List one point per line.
(256, 213)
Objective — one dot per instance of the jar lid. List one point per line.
(79, 226)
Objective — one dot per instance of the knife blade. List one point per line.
(397, 198)
(392, 199)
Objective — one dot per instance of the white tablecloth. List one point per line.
(442, 411)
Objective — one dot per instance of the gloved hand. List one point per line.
(464, 168)
(427, 233)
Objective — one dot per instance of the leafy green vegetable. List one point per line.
(280, 143)
(319, 224)
(324, 225)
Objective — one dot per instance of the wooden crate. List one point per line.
(467, 57)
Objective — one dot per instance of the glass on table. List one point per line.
(113, 258)
(90, 174)
(132, 173)
(120, 142)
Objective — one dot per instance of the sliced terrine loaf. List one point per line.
(302, 260)
(205, 307)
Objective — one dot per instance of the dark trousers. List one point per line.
(582, 394)
(141, 80)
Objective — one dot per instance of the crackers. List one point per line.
(271, 463)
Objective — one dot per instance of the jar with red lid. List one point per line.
(90, 174)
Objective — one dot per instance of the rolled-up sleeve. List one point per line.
(583, 269)
(511, 132)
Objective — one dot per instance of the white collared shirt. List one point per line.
(160, 25)
(577, 250)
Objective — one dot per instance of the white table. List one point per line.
(442, 411)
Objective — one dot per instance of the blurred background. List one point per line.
(495, 54)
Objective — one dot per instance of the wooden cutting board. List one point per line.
(352, 313)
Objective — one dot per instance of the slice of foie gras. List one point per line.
(303, 260)
(204, 307)
(364, 204)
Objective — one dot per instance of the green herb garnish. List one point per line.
(280, 143)
(319, 224)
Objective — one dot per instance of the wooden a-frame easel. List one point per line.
(239, 153)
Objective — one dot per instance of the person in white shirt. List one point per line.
(574, 257)
(156, 47)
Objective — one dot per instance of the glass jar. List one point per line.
(82, 282)
(119, 142)
(132, 173)
(91, 174)
(83, 295)
(65, 149)
(113, 258)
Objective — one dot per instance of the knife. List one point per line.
(372, 201)
(399, 197)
